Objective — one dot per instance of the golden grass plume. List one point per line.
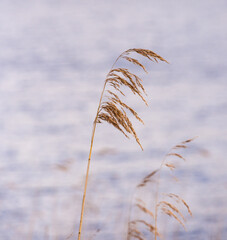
(169, 204)
(113, 110)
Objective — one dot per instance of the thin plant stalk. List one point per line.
(90, 152)
(170, 204)
(88, 166)
(109, 112)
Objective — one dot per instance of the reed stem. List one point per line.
(90, 152)
(88, 166)
(112, 114)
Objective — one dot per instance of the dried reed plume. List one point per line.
(169, 204)
(113, 110)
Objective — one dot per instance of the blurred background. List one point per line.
(54, 56)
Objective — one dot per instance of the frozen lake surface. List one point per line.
(53, 61)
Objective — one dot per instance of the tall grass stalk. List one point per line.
(113, 110)
(169, 204)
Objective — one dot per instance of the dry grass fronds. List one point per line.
(136, 62)
(147, 53)
(112, 121)
(115, 99)
(171, 214)
(122, 77)
(173, 207)
(145, 209)
(113, 110)
(176, 154)
(130, 80)
(170, 166)
(168, 203)
(173, 153)
(117, 115)
(189, 140)
(150, 227)
(135, 233)
(183, 143)
(147, 179)
(179, 146)
(179, 199)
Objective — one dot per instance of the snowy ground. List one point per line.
(53, 60)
